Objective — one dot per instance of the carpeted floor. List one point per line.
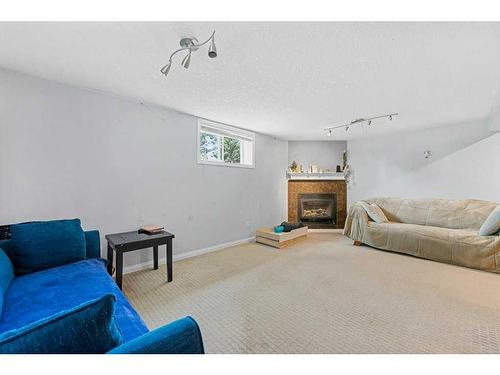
(324, 295)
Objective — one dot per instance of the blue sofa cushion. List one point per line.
(46, 244)
(6, 275)
(180, 337)
(87, 328)
(41, 294)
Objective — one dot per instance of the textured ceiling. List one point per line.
(289, 80)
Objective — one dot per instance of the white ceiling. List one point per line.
(289, 80)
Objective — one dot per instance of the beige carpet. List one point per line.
(324, 295)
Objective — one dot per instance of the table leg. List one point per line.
(110, 260)
(169, 260)
(155, 257)
(119, 268)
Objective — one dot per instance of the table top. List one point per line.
(119, 239)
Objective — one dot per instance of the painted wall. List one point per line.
(495, 121)
(67, 152)
(325, 154)
(463, 164)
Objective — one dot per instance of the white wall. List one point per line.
(495, 121)
(324, 154)
(116, 164)
(464, 164)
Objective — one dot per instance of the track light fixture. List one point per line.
(359, 121)
(190, 44)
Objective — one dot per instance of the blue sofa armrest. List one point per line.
(182, 336)
(93, 244)
(5, 246)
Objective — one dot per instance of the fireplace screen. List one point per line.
(317, 208)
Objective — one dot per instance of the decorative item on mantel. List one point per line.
(346, 169)
(313, 169)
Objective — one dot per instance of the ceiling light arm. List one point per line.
(359, 121)
(206, 41)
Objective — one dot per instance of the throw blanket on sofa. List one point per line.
(438, 229)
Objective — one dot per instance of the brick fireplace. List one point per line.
(319, 204)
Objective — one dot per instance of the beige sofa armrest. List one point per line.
(356, 221)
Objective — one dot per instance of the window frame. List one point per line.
(228, 130)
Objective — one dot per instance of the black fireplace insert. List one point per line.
(317, 210)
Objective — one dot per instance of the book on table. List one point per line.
(151, 229)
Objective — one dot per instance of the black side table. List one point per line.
(130, 241)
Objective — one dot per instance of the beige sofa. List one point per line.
(439, 229)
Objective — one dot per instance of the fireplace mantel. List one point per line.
(315, 176)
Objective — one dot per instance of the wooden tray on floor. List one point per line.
(267, 236)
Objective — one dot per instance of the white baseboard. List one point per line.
(189, 254)
(326, 231)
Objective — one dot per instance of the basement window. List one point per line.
(225, 145)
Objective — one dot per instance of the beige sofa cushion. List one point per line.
(491, 225)
(374, 212)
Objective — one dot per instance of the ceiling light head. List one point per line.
(212, 50)
(329, 133)
(346, 127)
(186, 60)
(166, 69)
(369, 122)
(390, 117)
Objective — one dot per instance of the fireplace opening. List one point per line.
(317, 210)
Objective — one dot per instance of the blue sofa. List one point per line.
(51, 277)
